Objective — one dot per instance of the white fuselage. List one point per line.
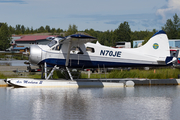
(91, 55)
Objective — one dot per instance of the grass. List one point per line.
(34, 75)
(95, 75)
(28, 75)
(164, 73)
(2, 76)
(20, 57)
(17, 56)
(58, 74)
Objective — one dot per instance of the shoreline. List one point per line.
(11, 68)
(8, 70)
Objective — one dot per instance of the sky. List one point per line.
(99, 15)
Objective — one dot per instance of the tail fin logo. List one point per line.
(155, 46)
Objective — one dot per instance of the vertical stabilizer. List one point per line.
(157, 46)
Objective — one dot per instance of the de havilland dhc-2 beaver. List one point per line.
(76, 51)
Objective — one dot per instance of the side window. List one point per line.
(90, 49)
(76, 50)
(52, 43)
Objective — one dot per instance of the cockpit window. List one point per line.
(58, 47)
(52, 43)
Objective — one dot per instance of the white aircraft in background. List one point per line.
(76, 51)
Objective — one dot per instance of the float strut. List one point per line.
(51, 73)
(45, 69)
(69, 73)
(42, 72)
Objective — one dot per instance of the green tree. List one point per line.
(32, 31)
(148, 36)
(71, 30)
(5, 36)
(27, 30)
(53, 31)
(172, 27)
(12, 29)
(18, 29)
(41, 29)
(91, 32)
(123, 32)
(176, 22)
(47, 28)
(23, 29)
(154, 31)
(59, 31)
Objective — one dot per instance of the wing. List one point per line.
(74, 39)
(78, 37)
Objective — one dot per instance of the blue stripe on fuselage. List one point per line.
(90, 64)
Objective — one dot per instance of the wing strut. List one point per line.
(67, 59)
(68, 53)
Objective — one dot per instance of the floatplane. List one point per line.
(77, 51)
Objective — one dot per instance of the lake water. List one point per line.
(133, 103)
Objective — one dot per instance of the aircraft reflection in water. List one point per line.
(141, 102)
(75, 51)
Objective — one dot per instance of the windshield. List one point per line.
(52, 43)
